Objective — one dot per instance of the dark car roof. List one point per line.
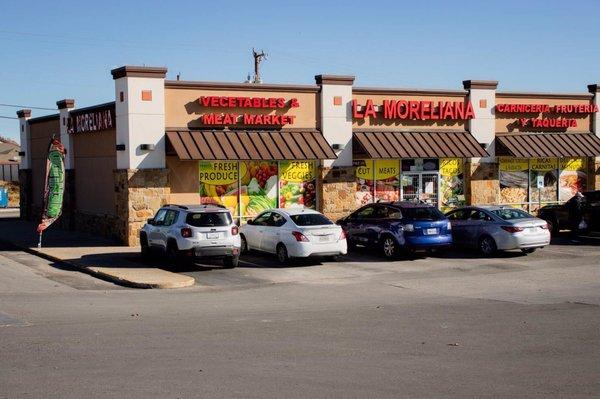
(407, 204)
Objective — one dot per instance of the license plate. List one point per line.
(430, 231)
(323, 238)
(212, 236)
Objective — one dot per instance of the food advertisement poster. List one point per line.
(514, 180)
(452, 183)
(547, 168)
(258, 187)
(297, 184)
(365, 175)
(387, 179)
(573, 177)
(219, 183)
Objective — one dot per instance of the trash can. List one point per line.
(3, 197)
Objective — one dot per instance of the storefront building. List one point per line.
(330, 146)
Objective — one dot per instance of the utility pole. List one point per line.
(258, 58)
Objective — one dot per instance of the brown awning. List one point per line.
(246, 145)
(533, 145)
(418, 145)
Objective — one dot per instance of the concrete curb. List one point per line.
(103, 275)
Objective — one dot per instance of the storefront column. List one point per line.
(67, 219)
(141, 178)
(595, 168)
(336, 185)
(482, 186)
(25, 166)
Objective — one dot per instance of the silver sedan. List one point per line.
(492, 228)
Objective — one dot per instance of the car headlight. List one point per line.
(409, 227)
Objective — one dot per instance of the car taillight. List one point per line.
(342, 235)
(512, 229)
(546, 226)
(299, 236)
(186, 232)
(235, 230)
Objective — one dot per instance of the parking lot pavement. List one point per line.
(462, 272)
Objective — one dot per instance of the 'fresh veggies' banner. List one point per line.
(297, 185)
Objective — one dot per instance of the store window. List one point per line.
(573, 177)
(247, 188)
(559, 180)
(452, 183)
(365, 181)
(514, 181)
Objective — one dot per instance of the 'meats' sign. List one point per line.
(409, 109)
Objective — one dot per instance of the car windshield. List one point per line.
(310, 219)
(208, 219)
(510, 214)
(422, 213)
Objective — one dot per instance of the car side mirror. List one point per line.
(150, 221)
(250, 222)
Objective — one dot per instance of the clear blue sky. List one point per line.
(65, 49)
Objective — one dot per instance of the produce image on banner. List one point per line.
(258, 190)
(297, 184)
(365, 176)
(514, 180)
(572, 177)
(387, 179)
(219, 183)
(452, 183)
(548, 169)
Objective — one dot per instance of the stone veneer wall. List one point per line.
(337, 186)
(481, 183)
(139, 194)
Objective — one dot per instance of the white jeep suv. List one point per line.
(192, 232)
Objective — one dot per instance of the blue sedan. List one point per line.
(395, 226)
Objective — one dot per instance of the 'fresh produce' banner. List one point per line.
(219, 183)
(297, 184)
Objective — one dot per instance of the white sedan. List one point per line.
(293, 233)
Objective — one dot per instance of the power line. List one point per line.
(8, 117)
(26, 106)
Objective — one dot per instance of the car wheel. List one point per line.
(389, 247)
(282, 254)
(332, 258)
(528, 250)
(229, 262)
(172, 252)
(487, 246)
(243, 244)
(145, 251)
(351, 245)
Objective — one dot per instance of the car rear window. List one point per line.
(208, 219)
(510, 214)
(310, 219)
(422, 213)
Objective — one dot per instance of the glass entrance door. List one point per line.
(420, 186)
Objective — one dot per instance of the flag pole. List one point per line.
(40, 240)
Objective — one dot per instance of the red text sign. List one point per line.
(409, 109)
(225, 119)
(547, 122)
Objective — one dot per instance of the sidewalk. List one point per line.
(93, 255)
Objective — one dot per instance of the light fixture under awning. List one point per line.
(379, 145)
(537, 145)
(249, 145)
